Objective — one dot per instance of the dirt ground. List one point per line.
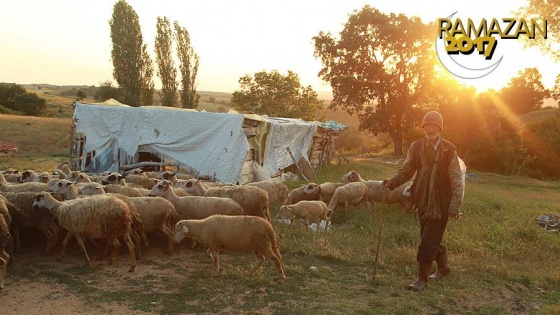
(25, 294)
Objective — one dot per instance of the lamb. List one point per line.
(277, 191)
(96, 217)
(325, 190)
(9, 187)
(351, 193)
(234, 233)
(253, 200)
(376, 191)
(196, 207)
(42, 219)
(309, 210)
(156, 213)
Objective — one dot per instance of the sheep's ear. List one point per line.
(68, 184)
(185, 228)
(120, 177)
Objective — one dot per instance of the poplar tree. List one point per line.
(126, 54)
(148, 89)
(188, 66)
(166, 66)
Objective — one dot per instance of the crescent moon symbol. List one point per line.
(458, 69)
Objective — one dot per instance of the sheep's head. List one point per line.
(285, 212)
(44, 177)
(61, 187)
(181, 231)
(349, 177)
(311, 188)
(135, 171)
(188, 185)
(27, 176)
(160, 188)
(112, 178)
(168, 175)
(92, 189)
(40, 201)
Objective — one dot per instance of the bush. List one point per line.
(30, 104)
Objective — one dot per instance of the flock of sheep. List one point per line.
(111, 208)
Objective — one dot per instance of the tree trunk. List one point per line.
(396, 137)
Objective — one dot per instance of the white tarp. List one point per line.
(212, 143)
(284, 133)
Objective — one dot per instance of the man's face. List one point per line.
(431, 131)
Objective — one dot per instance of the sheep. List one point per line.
(126, 190)
(140, 180)
(234, 233)
(69, 191)
(134, 171)
(298, 194)
(196, 207)
(5, 238)
(376, 191)
(112, 178)
(351, 193)
(95, 217)
(64, 167)
(11, 175)
(253, 200)
(42, 219)
(309, 210)
(168, 176)
(277, 190)
(9, 187)
(156, 213)
(325, 190)
(78, 177)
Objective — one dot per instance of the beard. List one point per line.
(431, 135)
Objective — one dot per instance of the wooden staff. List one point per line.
(379, 233)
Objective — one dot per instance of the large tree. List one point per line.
(126, 54)
(276, 95)
(188, 66)
(148, 89)
(378, 69)
(544, 10)
(525, 92)
(166, 65)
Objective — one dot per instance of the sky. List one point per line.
(67, 42)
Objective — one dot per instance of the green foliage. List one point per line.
(541, 11)
(8, 94)
(106, 91)
(30, 104)
(188, 66)
(525, 92)
(126, 53)
(378, 68)
(148, 89)
(543, 142)
(276, 95)
(80, 95)
(166, 66)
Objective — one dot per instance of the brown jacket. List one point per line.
(438, 185)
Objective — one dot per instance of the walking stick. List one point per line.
(379, 233)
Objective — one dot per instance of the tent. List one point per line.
(220, 146)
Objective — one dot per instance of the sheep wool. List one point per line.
(234, 233)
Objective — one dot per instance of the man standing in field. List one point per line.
(437, 194)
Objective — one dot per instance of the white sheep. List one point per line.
(277, 190)
(308, 210)
(95, 217)
(78, 177)
(234, 233)
(349, 194)
(377, 193)
(253, 200)
(324, 190)
(11, 175)
(196, 207)
(156, 213)
(298, 194)
(140, 180)
(32, 186)
(64, 167)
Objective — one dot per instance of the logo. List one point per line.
(468, 49)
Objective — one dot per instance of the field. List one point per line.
(502, 262)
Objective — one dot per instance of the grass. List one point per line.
(502, 262)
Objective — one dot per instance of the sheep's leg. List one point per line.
(64, 243)
(16, 238)
(260, 259)
(130, 246)
(307, 224)
(49, 237)
(215, 254)
(3, 264)
(116, 247)
(169, 235)
(83, 246)
(277, 259)
(137, 242)
(52, 232)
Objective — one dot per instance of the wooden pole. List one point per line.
(379, 233)
(297, 165)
